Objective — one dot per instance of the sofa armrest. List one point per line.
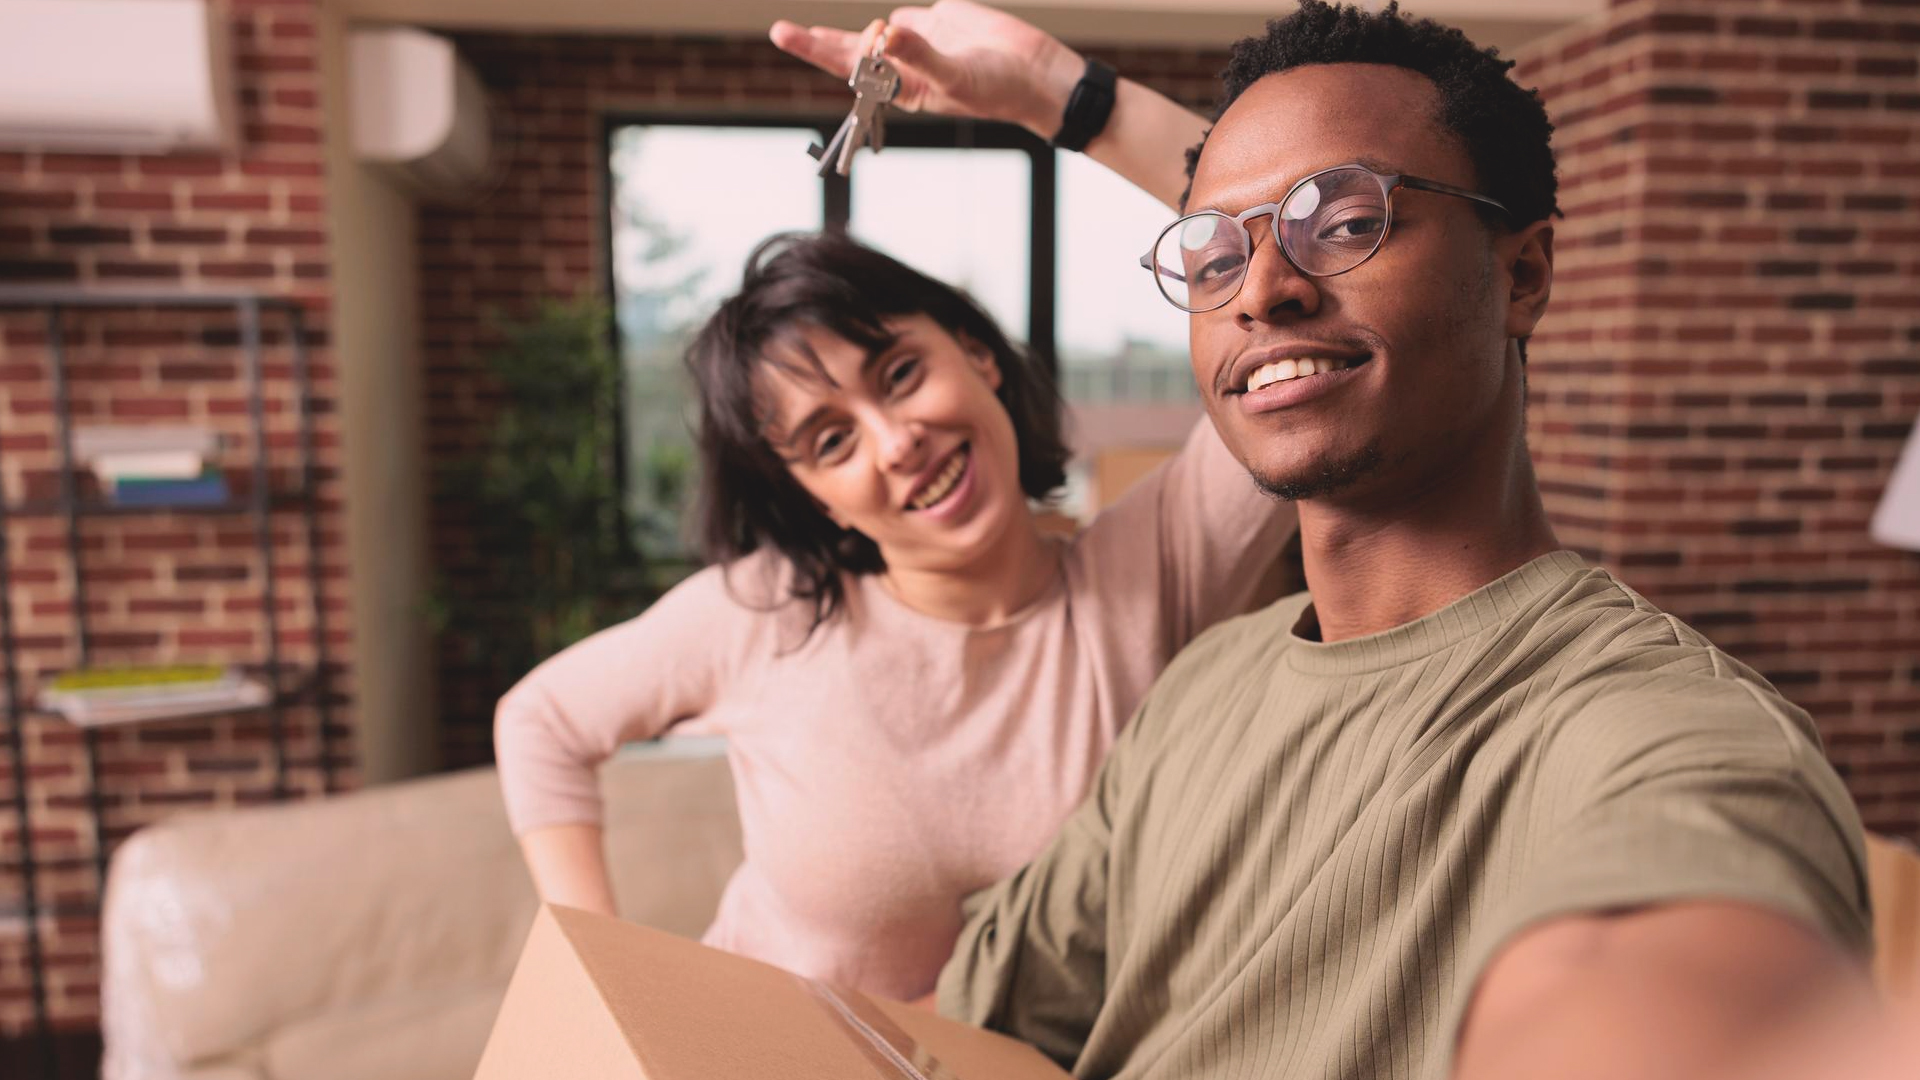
(220, 928)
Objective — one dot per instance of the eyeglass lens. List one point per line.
(1328, 225)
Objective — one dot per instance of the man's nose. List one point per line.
(1274, 290)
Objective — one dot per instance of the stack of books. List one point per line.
(153, 465)
(96, 697)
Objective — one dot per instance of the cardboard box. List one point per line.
(601, 998)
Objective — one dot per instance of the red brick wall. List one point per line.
(162, 588)
(540, 234)
(1732, 360)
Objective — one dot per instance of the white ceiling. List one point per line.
(1506, 23)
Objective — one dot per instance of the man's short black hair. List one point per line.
(1503, 126)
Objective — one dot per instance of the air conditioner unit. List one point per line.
(144, 76)
(418, 111)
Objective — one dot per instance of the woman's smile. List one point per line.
(939, 490)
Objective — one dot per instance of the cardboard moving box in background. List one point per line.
(602, 998)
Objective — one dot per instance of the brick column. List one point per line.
(1732, 360)
(174, 587)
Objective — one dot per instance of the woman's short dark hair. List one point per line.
(747, 498)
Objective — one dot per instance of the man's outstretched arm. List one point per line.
(1698, 989)
(959, 58)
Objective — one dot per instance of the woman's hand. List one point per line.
(956, 57)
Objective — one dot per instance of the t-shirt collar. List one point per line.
(1495, 602)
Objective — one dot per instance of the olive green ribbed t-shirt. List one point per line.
(1300, 855)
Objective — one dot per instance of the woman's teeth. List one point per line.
(942, 485)
(1282, 370)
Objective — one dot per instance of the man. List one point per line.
(1470, 806)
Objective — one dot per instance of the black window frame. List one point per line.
(903, 130)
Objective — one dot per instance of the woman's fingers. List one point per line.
(832, 51)
(929, 78)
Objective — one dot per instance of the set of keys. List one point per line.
(874, 83)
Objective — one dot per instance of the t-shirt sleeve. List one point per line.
(1031, 961)
(1212, 536)
(1736, 804)
(629, 682)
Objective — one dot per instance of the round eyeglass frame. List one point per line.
(1389, 183)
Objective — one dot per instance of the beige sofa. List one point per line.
(371, 935)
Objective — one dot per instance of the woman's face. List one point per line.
(908, 445)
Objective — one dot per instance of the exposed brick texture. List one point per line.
(1732, 360)
(163, 588)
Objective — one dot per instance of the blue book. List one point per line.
(208, 489)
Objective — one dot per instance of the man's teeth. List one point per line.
(943, 484)
(1282, 370)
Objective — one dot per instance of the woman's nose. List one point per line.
(902, 443)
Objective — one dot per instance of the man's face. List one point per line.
(1420, 331)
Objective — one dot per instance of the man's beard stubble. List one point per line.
(1330, 478)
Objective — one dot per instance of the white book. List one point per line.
(90, 712)
(148, 465)
(93, 440)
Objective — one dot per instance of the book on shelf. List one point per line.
(152, 464)
(148, 464)
(93, 441)
(208, 488)
(94, 697)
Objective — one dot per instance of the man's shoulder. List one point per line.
(1633, 679)
(1225, 652)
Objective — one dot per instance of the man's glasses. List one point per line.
(1328, 223)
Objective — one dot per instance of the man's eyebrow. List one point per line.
(1373, 163)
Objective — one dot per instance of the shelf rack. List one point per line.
(259, 503)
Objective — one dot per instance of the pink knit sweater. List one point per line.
(895, 762)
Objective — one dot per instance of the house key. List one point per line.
(874, 82)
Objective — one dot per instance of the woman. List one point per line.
(915, 683)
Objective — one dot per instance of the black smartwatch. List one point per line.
(1088, 107)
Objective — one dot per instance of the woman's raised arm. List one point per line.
(960, 58)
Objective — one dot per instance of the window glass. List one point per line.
(689, 204)
(1118, 338)
(963, 216)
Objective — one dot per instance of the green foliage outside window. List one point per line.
(559, 558)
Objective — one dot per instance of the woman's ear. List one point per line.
(982, 359)
(827, 512)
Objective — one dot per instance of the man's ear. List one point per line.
(1529, 256)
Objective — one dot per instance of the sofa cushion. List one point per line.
(431, 1035)
(229, 926)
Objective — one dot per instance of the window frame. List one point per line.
(903, 130)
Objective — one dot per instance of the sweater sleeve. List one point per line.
(629, 682)
(1214, 538)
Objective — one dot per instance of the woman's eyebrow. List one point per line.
(876, 353)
